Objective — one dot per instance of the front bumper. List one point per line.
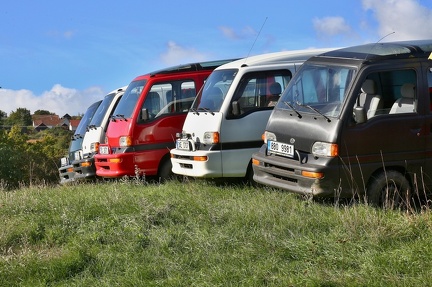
(84, 168)
(67, 174)
(286, 174)
(205, 164)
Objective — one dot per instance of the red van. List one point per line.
(143, 127)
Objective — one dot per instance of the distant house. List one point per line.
(67, 116)
(42, 122)
(49, 121)
(40, 127)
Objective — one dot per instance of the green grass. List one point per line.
(201, 234)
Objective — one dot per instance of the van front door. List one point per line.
(394, 135)
(427, 178)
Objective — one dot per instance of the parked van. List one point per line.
(85, 168)
(66, 169)
(144, 124)
(227, 119)
(355, 121)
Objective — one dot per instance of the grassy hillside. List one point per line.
(201, 234)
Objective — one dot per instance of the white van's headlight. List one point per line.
(94, 147)
(211, 138)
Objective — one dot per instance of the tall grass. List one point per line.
(202, 234)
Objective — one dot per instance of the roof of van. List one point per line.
(385, 50)
(122, 89)
(276, 57)
(209, 65)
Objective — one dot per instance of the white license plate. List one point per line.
(280, 148)
(183, 144)
(103, 150)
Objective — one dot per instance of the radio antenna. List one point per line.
(385, 36)
(377, 43)
(256, 38)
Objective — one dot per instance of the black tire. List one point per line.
(165, 171)
(248, 179)
(389, 190)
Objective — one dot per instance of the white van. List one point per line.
(83, 165)
(228, 117)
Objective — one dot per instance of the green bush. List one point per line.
(25, 162)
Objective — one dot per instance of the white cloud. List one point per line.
(59, 100)
(331, 26)
(230, 33)
(407, 18)
(176, 54)
(68, 34)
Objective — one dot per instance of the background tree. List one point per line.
(43, 112)
(3, 116)
(25, 162)
(21, 117)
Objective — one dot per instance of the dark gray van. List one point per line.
(354, 121)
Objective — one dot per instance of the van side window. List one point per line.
(388, 92)
(169, 98)
(261, 90)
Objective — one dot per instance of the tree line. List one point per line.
(29, 157)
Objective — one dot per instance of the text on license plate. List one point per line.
(183, 144)
(280, 148)
(103, 150)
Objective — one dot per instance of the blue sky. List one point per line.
(62, 56)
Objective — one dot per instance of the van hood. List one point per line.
(118, 128)
(197, 123)
(302, 132)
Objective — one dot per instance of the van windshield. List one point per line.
(82, 126)
(128, 101)
(101, 111)
(214, 91)
(317, 89)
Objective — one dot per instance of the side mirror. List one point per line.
(144, 115)
(235, 108)
(360, 115)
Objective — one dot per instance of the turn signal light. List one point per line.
(312, 174)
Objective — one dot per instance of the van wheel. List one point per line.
(165, 171)
(390, 190)
(249, 176)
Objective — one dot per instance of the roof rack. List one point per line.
(209, 65)
(373, 51)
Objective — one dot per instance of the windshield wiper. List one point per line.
(206, 110)
(292, 108)
(76, 136)
(114, 117)
(315, 110)
(90, 127)
(193, 110)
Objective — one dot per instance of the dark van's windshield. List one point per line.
(317, 88)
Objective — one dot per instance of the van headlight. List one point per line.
(211, 138)
(320, 149)
(268, 136)
(125, 141)
(94, 147)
